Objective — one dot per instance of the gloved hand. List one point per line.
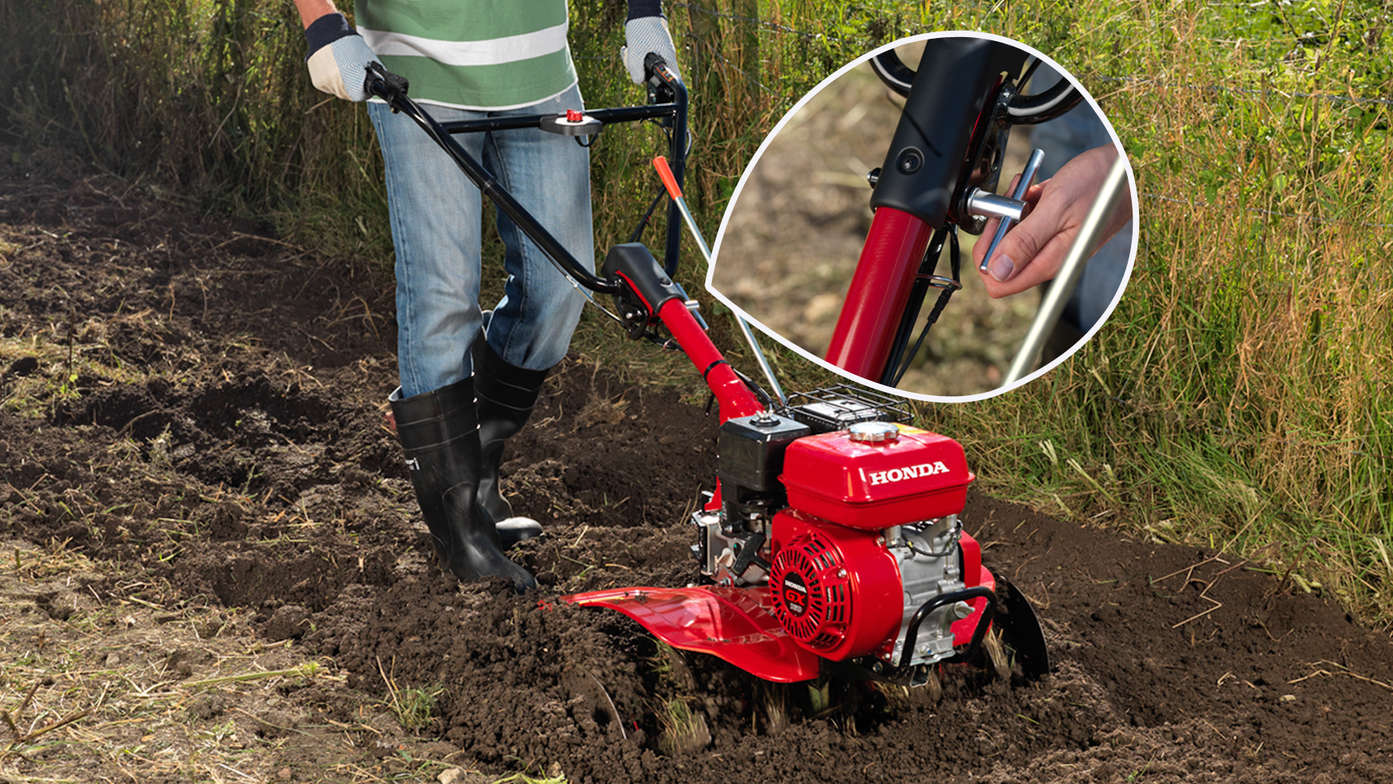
(338, 57)
(646, 34)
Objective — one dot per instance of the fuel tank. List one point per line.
(882, 476)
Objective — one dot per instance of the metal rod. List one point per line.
(760, 358)
(911, 637)
(1069, 272)
(764, 367)
(985, 204)
(512, 122)
(1022, 185)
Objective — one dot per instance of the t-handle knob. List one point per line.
(1027, 179)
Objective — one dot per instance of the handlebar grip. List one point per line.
(383, 83)
(655, 66)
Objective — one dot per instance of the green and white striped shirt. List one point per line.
(472, 54)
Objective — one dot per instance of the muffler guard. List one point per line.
(733, 624)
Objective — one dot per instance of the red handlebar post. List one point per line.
(879, 292)
(734, 397)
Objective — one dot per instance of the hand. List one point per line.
(1033, 250)
(338, 57)
(646, 34)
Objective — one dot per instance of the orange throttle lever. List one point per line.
(669, 181)
(673, 190)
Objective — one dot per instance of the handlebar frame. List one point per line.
(668, 104)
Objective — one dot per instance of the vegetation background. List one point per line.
(1241, 397)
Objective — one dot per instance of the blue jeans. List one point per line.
(437, 225)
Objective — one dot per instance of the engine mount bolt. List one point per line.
(962, 610)
(874, 432)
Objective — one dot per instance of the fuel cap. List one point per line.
(874, 432)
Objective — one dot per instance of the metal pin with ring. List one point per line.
(991, 205)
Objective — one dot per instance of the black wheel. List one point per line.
(893, 72)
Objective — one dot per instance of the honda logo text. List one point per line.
(908, 472)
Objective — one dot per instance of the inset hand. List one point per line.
(1034, 249)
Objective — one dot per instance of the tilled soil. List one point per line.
(192, 400)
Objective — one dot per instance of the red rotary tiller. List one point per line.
(832, 539)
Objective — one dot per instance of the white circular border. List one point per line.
(745, 176)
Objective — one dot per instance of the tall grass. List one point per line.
(1242, 395)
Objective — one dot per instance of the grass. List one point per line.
(413, 706)
(683, 731)
(94, 678)
(1240, 398)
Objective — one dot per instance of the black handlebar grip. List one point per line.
(383, 83)
(655, 65)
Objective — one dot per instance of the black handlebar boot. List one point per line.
(507, 394)
(439, 432)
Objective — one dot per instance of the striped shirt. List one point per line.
(472, 54)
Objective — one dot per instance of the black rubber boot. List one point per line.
(439, 432)
(506, 394)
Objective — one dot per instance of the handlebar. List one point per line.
(658, 75)
(663, 83)
(392, 88)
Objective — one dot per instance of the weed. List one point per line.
(414, 706)
(683, 730)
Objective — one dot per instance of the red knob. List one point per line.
(574, 115)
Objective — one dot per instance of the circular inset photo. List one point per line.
(944, 218)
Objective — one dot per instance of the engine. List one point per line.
(852, 522)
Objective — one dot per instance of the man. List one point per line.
(469, 379)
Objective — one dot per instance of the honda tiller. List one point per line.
(832, 538)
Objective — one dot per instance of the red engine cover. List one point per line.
(836, 591)
(918, 476)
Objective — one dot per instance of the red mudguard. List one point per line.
(733, 624)
(736, 624)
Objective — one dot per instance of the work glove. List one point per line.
(338, 57)
(646, 34)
